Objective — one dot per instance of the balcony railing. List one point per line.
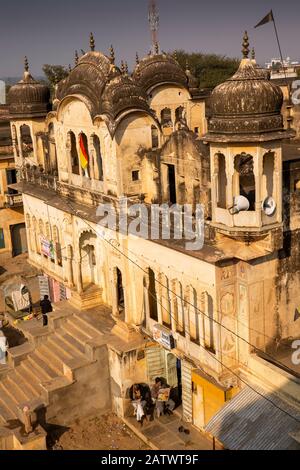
(13, 200)
(36, 176)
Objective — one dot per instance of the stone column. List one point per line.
(69, 265)
(79, 276)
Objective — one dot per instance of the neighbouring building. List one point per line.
(199, 318)
(12, 226)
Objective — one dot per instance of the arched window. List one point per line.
(154, 137)
(179, 114)
(26, 141)
(244, 179)
(152, 296)
(222, 181)
(52, 149)
(98, 163)
(84, 154)
(166, 118)
(268, 175)
(74, 154)
(57, 245)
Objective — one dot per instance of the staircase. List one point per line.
(57, 372)
(91, 297)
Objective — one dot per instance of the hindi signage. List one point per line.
(163, 336)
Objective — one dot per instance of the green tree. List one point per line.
(54, 74)
(210, 69)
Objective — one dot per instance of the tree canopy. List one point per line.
(54, 74)
(210, 69)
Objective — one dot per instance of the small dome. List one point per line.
(28, 98)
(88, 78)
(121, 94)
(246, 103)
(159, 69)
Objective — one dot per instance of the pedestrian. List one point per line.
(46, 307)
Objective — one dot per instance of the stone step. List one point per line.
(43, 366)
(5, 414)
(30, 380)
(71, 329)
(7, 403)
(82, 323)
(72, 352)
(19, 382)
(34, 372)
(13, 391)
(47, 354)
(58, 350)
(70, 341)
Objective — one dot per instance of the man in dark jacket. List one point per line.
(46, 307)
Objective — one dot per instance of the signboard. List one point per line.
(47, 248)
(163, 336)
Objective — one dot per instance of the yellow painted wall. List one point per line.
(214, 396)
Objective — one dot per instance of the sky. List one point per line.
(50, 31)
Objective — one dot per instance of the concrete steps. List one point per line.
(54, 362)
(91, 297)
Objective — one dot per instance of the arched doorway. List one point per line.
(120, 293)
(87, 247)
(19, 239)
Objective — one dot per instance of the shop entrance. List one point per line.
(162, 363)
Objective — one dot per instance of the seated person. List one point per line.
(141, 401)
(160, 392)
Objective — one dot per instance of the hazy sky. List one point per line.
(50, 31)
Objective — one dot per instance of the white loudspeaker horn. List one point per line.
(240, 203)
(269, 206)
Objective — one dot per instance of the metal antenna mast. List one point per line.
(154, 23)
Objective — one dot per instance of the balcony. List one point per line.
(13, 200)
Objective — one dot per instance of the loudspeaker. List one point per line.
(240, 203)
(269, 206)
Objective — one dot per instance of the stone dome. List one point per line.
(159, 69)
(87, 78)
(28, 98)
(246, 103)
(120, 94)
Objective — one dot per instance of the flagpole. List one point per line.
(281, 57)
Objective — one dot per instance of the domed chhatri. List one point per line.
(28, 98)
(158, 69)
(246, 104)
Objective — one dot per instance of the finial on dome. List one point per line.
(126, 68)
(156, 48)
(70, 68)
(175, 56)
(112, 54)
(137, 60)
(76, 58)
(253, 53)
(123, 67)
(26, 64)
(245, 49)
(92, 42)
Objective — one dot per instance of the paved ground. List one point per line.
(163, 434)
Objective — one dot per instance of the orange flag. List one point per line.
(84, 158)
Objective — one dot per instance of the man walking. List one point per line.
(46, 307)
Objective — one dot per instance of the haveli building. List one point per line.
(208, 320)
